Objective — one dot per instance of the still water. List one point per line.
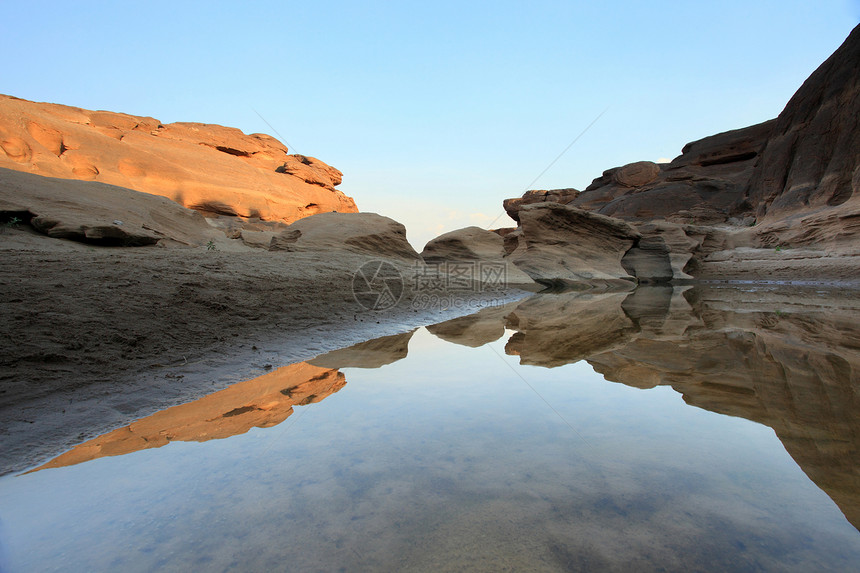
(668, 430)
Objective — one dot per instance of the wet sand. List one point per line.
(96, 337)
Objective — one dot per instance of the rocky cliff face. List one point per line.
(812, 155)
(806, 188)
(806, 160)
(704, 185)
(210, 168)
(733, 203)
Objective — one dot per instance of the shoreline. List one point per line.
(98, 337)
(465, 326)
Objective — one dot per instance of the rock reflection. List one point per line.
(788, 358)
(789, 362)
(374, 353)
(557, 329)
(474, 330)
(261, 402)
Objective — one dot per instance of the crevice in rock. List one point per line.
(12, 217)
(729, 159)
(842, 194)
(225, 149)
(232, 151)
(209, 208)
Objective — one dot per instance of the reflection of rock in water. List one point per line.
(788, 358)
(258, 403)
(262, 402)
(474, 330)
(371, 354)
(557, 329)
(789, 362)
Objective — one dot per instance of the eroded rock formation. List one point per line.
(568, 245)
(806, 188)
(363, 233)
(706, 184)
(484, 250)
(563, 196)
(210, 168)
(96, 213)
(813, 152)
(731, 204)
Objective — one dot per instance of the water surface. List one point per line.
(492, 443)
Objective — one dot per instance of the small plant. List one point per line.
(210, 246)
(10, 224)
(778, 248)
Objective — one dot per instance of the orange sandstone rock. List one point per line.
(210, 168)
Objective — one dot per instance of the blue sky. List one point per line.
(435, 112)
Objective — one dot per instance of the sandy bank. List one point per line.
(96, 337)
